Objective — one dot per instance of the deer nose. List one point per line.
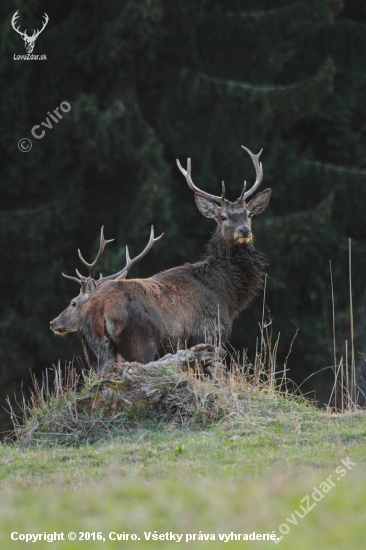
(244, 231)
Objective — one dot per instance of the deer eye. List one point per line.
(223, 218)
(73, 303)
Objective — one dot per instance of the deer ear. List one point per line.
(207, 207)
(89, 286)
(259, 203)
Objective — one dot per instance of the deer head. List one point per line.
(67, 321)
(233, 218)
(29, 40)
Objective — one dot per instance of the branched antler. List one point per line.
(187, 175)
(129, 263)
(259, 174)
(91, 267)
(220, 200)
(120, 274)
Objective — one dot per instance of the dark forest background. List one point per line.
(150, 81)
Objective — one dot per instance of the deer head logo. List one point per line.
(29, 40)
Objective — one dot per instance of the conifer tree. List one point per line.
(150, 81)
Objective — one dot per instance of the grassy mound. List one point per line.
(190, 388)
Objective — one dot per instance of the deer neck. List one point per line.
(237, 272)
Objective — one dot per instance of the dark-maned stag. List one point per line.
(142, 319)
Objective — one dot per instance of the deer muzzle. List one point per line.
(57, 328)
(243, 234)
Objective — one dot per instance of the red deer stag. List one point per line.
(68, 320)
(142, 319)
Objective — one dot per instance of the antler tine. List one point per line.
(129, 263)
(72, 278)
(81, 277)
(149, 245)
(259, 174)
(103, 242)
(191, 185)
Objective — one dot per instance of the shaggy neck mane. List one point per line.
(237, 273)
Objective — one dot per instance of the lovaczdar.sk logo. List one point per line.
(29, 41)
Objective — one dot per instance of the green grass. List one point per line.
(242, 475)
(190, 505)
(289, 441)
(242, 461)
